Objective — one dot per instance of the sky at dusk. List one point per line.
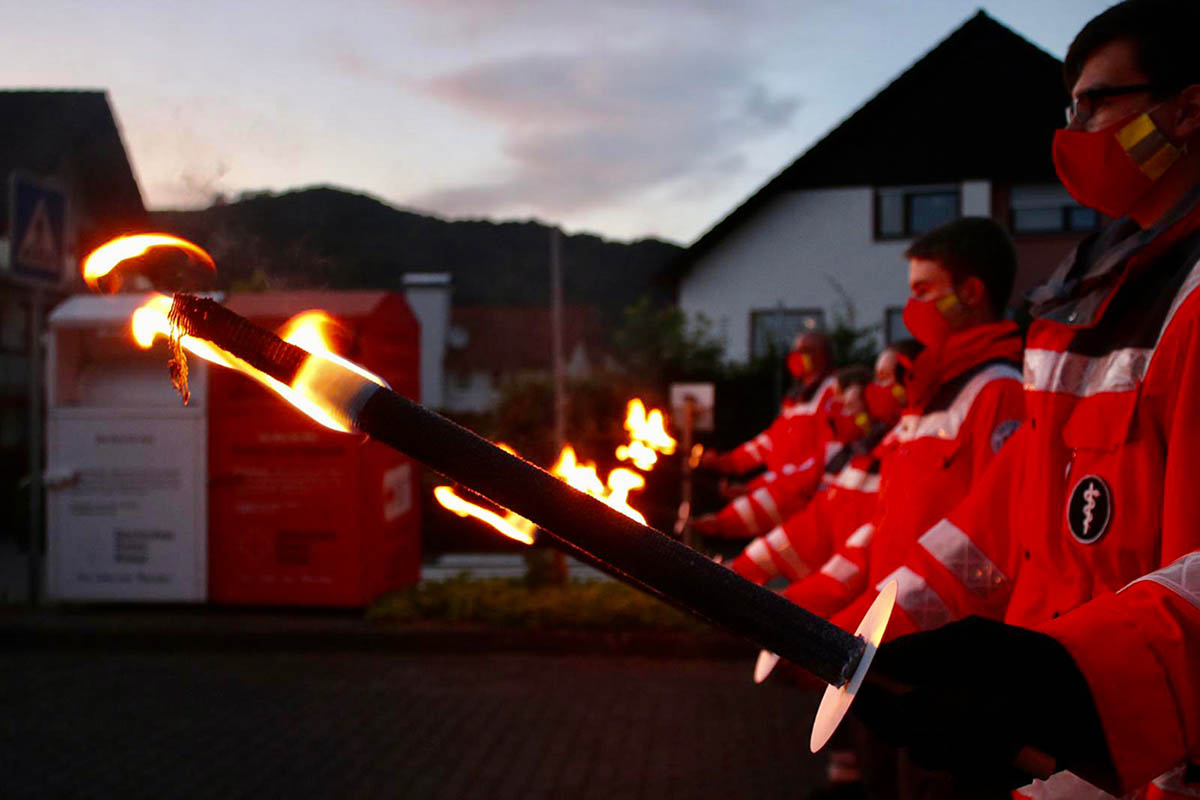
(621, 118)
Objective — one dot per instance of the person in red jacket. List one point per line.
(1083, 538)
(819, 444)
(794, 432)
(847, 502)
(964, 401)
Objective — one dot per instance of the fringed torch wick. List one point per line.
(178, 365)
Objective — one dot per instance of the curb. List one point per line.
(157, 632)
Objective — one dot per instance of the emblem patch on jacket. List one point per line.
(1090, 509)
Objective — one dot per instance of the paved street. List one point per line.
(354, 724)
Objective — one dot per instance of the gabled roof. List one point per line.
(982, 104)
(72, 137)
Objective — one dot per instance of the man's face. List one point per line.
(928, 280)
(853, 403)
(885, 367)
(1112, 66)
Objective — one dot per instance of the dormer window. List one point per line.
(1048, 209)
(902, 212)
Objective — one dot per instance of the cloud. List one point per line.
(584, 130)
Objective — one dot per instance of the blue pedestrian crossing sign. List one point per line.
(37, 242)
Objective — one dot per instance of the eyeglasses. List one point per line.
(1082, 107)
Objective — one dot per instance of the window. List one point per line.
(893, 325)
(772, 331)
(902, 212)
(1048, 209)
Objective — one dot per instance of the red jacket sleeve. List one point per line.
(1139, 650)
(793, 549)
(755, 453)
(841, 579)
(965, 563)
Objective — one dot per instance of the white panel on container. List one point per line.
(126, 505)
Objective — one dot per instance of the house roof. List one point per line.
(72, 137)
(517, 338)
(982, 104)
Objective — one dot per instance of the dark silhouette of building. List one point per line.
(70, 139)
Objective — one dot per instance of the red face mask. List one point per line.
(885, 402)
(848, 428)
(1109, 170)
(929, 321)
(800, 364)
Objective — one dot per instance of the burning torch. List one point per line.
(632, 552)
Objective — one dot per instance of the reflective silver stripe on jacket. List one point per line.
(1070, 373)
(742, 506)
(840, 568)
(862, 536)
(857, 479)
(955, 551)
(921, 603)
(1181, 576)
(758, 552)
(946, 424)
(781, 545)
(790, 469)
(1173, 784)
(767, 503)
(1118, 371)
(814, 404)
(1068, 786)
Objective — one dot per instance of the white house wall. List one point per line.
(792, 252)
(977, 198)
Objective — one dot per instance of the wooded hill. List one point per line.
(328, 238)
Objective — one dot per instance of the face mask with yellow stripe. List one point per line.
(1111, 169)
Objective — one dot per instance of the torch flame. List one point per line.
(308, 331)
(647, 436)
(583, 477)
(511, 525)
(105, 258)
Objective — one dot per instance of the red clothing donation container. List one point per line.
(300, 514)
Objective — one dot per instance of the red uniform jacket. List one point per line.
(791, 438)
(799, 444)
(938, 453)
(1087, 527)
(807, 539)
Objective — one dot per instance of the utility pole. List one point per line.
(560, 388)
(556, 339)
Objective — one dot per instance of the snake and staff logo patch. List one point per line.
(1090, 509)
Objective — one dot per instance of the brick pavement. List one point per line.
(358, 724)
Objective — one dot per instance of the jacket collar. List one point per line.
(1082, 286)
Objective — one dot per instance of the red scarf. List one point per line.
(963, 351)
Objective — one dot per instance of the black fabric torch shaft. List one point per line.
(623, 547)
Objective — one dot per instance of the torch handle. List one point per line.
(630, 550)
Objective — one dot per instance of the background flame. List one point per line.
(647, 437)
(108, 256)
